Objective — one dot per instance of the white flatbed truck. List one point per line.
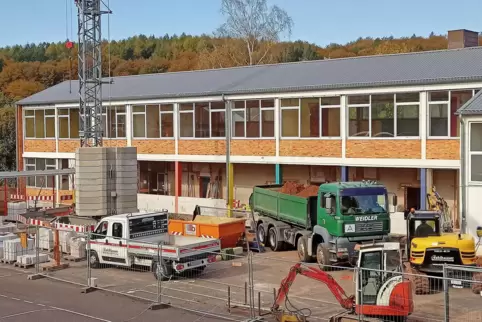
(142, 239)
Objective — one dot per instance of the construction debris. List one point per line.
(299, 189)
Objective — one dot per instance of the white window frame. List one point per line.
(471, 153)
(64, 116)
(35, 123)
(290, 108)
(245, 113)
(25, 117)
(160, 120)
(395, 117)
(211, 111)
(192, 111)
(145, 121)
(46, 166)
(106, 112)
(449, 116)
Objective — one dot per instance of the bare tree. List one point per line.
(258, 26)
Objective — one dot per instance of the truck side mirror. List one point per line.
(328, 204)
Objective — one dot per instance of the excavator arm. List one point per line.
(347, 302)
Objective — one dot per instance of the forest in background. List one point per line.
(28, 69)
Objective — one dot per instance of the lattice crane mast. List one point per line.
(90, 71)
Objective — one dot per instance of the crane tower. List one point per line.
(90, 71)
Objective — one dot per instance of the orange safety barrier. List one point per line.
(228, 230)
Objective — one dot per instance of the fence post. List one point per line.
(251, 285)
(158, 304)
(37, 250)
(446, 294)
(89, 273)
(358, 286)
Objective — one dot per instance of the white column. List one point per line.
(277, 122)
(57, 177)
(176, 127)
(56, 130)
(343, 122)
(423, 125)
(129, 124)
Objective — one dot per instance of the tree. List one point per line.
(7, 134)
(258, 26)
(21, 88)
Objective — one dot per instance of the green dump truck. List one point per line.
(326, 227)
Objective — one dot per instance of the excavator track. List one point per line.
(420, 280)
(476, 283)
(350, 317)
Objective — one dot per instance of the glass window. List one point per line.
(39, 124)
(152, 121)
(238, 121)
(139, 125)
(383, 116)
(121, 125)
(201, 122)
(330, 101)
(407, 97)
(117, 230)
(457, 100)
(476, 137)
(358, 99)
(267, 123)
(438, 119)
(408, 120)
(290, 102)
(186, 125)
(476, 167)
(167, 125)
(289, 123)
(442, 96)
(358, 124)
(310, 117)
(218, 124)
(252, 119)
(29, 127)
(50, 127)
(330, 122)
(74, 123)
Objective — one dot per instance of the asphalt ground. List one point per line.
(45, 300)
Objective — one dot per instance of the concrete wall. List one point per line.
(246, 176)
(186, 204)
(474, 218)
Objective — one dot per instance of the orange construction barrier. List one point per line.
(228, 230)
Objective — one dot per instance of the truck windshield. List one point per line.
(364, 204)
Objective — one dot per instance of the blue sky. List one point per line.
(318, 21)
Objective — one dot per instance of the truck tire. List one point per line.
(261, 232)
(274, 242)
(94, 259)
(161, 271)
(323, 257)
(302, 249)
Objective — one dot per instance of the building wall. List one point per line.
(474, 219)
(446, 182)
(246, 176)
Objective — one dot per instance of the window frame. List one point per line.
(321, 107)
(106, 112)
(192, 111)
(395, 117)
(245, 118)
(449, 114)
(32, 162)
(472, 153)
(45, 117)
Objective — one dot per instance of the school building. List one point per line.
(390, 118)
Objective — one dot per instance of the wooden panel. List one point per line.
(310, 148)
(384, 149)
(443, 149)
(253, 147)
(155, 146)
(46, 145)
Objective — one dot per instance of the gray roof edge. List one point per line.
(279, 89)
(464, 111)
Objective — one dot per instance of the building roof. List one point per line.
(421, 68)
(473, 106)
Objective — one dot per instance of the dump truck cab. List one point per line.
(429, 248)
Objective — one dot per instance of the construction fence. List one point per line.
(235, 285)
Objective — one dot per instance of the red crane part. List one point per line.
(347, 302)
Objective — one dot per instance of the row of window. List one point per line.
(381, 115)
(46, 182)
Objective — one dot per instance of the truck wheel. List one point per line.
(302, 249)
(274, 242)
(94, 259)
(261, 234)
(162, 271)
(323, 257)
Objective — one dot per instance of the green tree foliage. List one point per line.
(7, 134)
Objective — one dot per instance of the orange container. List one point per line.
(228, 230)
